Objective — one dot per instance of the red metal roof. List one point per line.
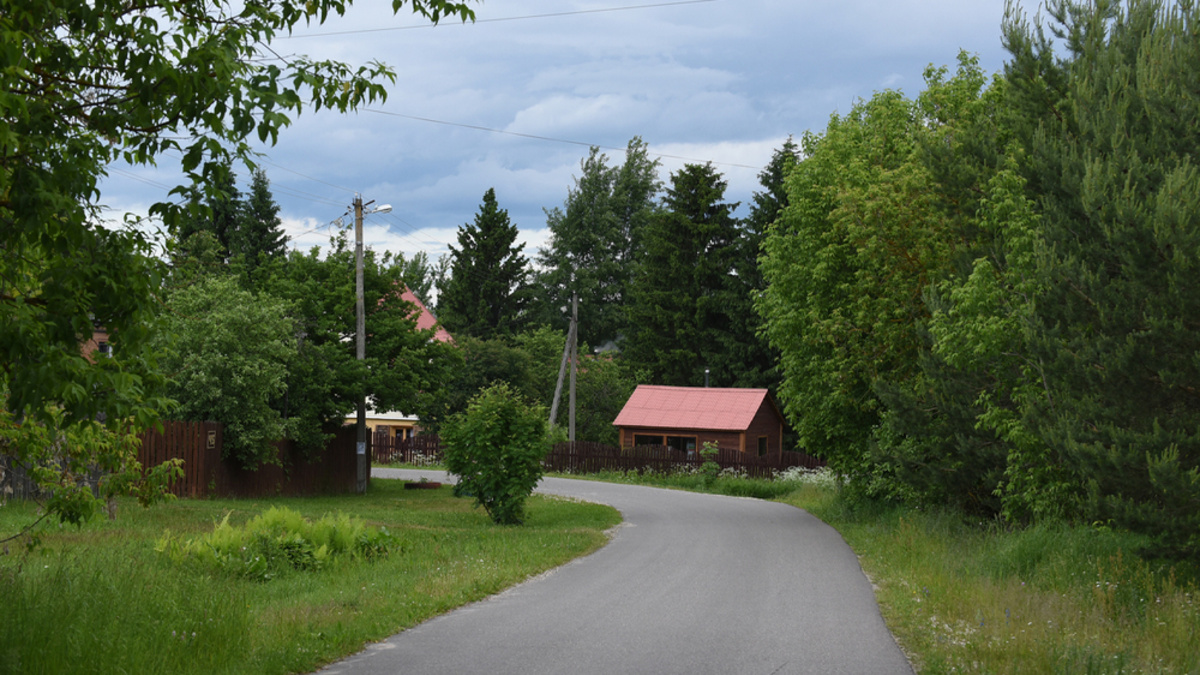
(657, 406)
(425, 319)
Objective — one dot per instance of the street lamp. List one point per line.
(360, 331)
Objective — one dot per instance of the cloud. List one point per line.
(718, 81)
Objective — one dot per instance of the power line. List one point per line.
(549, 139)
(496, 20)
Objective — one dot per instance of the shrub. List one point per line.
(277, 541)
(496, 447)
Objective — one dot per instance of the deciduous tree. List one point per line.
(593, 241)
(87, 84)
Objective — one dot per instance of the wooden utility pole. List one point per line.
(569, 350)
(360, 350)
(360, 333)
(574, 361)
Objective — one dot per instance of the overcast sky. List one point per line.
(513, 101)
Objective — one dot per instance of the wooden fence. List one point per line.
(421, 450)
(206, 473)
(583, 457)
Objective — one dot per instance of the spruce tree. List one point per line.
(487, 290)
(217, 210)
(744, 341)
(259, 236)
(679, 314)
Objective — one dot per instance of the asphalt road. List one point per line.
(690, 583)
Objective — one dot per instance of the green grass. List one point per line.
(102, 596)
(976, 597)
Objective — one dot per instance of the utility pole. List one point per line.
(574, 361)
(569, 350)
(360, 347)
(360, 336)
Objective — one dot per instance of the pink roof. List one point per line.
(691, 408)
(425, 318)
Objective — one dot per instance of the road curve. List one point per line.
(690, 583)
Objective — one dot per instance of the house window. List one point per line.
(687, 443)
(762, 445)
(644, 439)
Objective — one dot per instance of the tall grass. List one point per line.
(970, 597)
(108, 611)
(101, 600)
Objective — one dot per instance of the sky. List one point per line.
(514, 100)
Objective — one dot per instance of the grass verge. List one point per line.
(103, 597)
(972, 598)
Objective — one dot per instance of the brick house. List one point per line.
(685, 418)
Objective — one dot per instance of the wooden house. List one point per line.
(686, 418)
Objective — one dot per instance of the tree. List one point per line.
(218, 210)
(418, 274)
(87, 84)
(744, 344)
(228, 351)
(591, 248)
(259, 237)
(634, 197)
(496, 448)
(848, 263)
(245, 228)
(766, 205)
(482, 363)
(487, 291)
(1085, 312)
(679, 298)
(404, 367)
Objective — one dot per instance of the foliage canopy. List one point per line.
(88, 84)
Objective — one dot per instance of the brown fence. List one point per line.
(420, 450)
(206, 473)
(584, 457)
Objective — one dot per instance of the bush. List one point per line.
(278, 541)
(496, 447)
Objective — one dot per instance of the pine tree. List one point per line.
(487, 290)
(1110, 391)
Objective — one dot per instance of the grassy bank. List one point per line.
(972, 598)
(103, 599)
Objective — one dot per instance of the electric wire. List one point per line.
(549, 139)
(494, 20)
